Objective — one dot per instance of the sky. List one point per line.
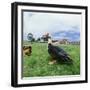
(59, 25)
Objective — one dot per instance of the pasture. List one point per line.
(38, 63)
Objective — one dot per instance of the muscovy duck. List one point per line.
(58, 54)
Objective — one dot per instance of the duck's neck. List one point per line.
(49, 44)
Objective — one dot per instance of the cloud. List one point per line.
(71, 35)
(39, 23)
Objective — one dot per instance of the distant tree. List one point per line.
(38, 39)
(33, 39)
(30, 37)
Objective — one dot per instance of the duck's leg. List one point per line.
(52, 62)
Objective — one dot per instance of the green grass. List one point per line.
(37, 64)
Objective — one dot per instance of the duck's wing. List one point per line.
(61, 51)
(55, 50)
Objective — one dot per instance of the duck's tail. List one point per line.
(69, 60)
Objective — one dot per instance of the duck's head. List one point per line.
(49, 41)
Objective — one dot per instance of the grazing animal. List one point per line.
(57, 53)
(27, 50)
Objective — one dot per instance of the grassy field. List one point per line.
(37, 64)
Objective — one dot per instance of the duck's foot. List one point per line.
(52, 62)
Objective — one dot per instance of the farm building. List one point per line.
(75, 42)
(64, 41)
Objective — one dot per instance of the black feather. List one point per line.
(58, 53)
